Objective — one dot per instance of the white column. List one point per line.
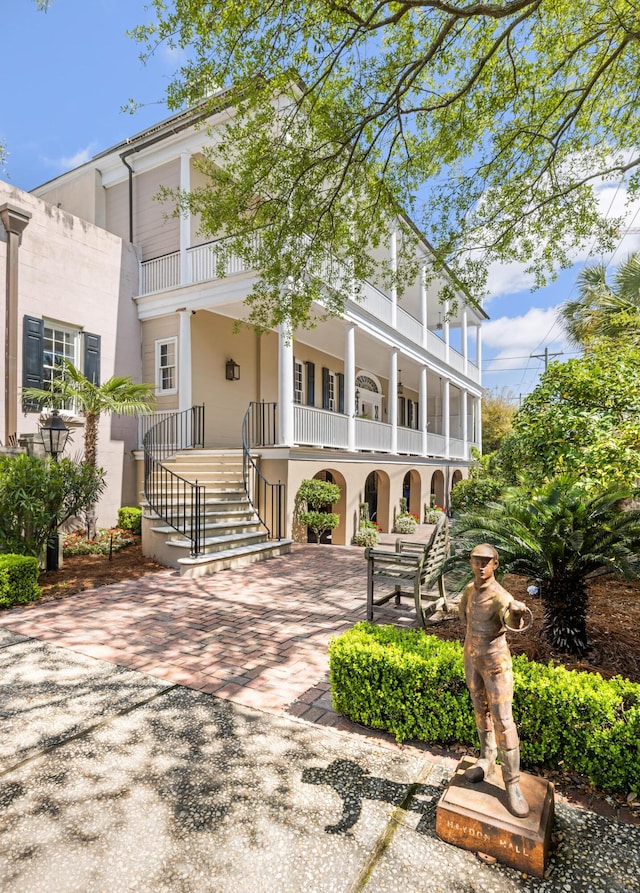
(393, 400)
(184, 361)
(285, 385)
(463, 410)
(446, 308)
(423, 409)
(394, 288)
(479, 349)
(350, 385)
(445, 417)
(465, 346)
(185, 219)
(479, 422)
(423, 306)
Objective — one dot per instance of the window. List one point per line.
(166, 369)
(298, 382)
(45, 344)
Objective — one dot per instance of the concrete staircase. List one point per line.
(233, 535)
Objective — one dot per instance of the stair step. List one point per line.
(220, 543)
(232, 528)
(203, 565)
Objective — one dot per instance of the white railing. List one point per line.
(457, 449)
(410, 441)
(436, 444)
(409, 326)
(375, 303)
(202, 263)
(160, 273)
(319, 427)
(372, 435)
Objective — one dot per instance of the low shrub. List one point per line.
(105, 541)
(432, 515)
(130, 518)
(366, 535)
(405, 524)
(413, 685)
(18, 580)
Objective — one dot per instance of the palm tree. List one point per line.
(120, 395)
(560, 538)
(605, 310)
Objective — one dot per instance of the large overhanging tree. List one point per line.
(489, 123)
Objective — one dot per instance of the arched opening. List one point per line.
(456, 478)
(368, 393)
(377, 494)
(338, 536)
(411, 491)
(437, 489)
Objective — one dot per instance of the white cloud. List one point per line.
(66, 163)
(519, 336)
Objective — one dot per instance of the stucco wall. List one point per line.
(79, 275)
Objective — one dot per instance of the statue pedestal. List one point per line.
(475, 817)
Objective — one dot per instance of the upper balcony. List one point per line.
(201, 264)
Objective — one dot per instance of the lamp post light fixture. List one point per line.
(54, 434)
(233, 371)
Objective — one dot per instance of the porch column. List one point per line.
(15, 221)
(185, 219)
(393, 400)
(423, 409)
(445, 328)
(463, 412)
(446, 419)
(465, 346)
(479, 349)
(394, 287)
(285, 385)
(350, 385)
(184, 360)
(423, 306)
(479, 422)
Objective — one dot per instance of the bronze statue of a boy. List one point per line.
(486, 609)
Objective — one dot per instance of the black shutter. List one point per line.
(325, 388)
(311, 383)
(340, 377)
(417, 414)
(32, 349)
(410, 405)
(91, 359)
(403, 411)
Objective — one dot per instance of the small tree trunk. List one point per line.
(91, 458)
(565, 615)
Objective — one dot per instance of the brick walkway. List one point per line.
(256, 635)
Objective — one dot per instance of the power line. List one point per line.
(545, 356)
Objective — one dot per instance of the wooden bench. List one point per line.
(411, 570)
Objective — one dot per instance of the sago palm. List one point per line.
(560, 538)
(604, 310)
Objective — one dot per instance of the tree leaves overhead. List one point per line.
(490, 123)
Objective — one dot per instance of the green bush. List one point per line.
(432, 516)
(405, 524)
(413, 686)
(130, 518)
(366, 535)
(18, 580)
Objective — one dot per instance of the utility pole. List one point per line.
(545, 356)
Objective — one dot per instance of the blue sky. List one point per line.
(69, 71)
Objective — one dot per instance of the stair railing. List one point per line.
(179, 503)
(266, 499)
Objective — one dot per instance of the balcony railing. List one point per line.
(318, 427)
(212, 261)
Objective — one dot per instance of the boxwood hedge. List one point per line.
(413, 685)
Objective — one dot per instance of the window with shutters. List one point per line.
(46, 344)
(166, 368)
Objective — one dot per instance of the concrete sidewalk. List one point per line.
(115, 780)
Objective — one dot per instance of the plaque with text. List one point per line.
(475, 817)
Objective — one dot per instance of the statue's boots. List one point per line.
(510, 762)
(488, 754)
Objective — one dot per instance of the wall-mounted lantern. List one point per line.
(233, 371)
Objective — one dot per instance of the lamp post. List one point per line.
(54, 434)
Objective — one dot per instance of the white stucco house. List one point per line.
(385, 400)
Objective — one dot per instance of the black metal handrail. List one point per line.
(267, 500)
(178, 502)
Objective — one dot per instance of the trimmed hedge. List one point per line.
(130, 518)
(413, 685)
(18, 580)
